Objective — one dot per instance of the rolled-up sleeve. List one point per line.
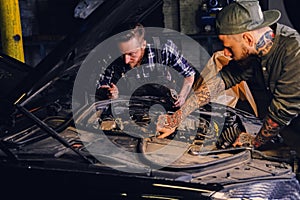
(173, 58)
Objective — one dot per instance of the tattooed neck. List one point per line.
(265, 43)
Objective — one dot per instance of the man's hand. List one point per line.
(113, 92)
(244, 139)
(180, 101)
(184, 92)
(163, 126)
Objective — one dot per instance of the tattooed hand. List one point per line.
(244, 139)
(167, 124)
(268, 131)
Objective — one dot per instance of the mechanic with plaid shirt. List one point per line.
(142, 59)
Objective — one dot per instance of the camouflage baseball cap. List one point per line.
(244, 15)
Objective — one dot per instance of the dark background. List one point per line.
(46, 22)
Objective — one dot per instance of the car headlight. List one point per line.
(270, 189)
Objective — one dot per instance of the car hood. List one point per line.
(94, 147)
(96, 26)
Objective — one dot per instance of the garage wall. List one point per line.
(45, 22)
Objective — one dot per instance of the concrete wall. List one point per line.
(188, 9)
(180, 15)
(171, 14)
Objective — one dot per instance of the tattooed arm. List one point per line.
(268, 131)
(202, 95)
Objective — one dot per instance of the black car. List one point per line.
(58, 142)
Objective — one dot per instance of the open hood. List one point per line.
(72, 50)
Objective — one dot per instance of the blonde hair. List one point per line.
(137, 31)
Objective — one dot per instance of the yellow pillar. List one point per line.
(11, 31)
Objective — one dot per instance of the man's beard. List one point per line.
(138, 62)
(246, 56)
(245, 53)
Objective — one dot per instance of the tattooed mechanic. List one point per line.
(260, 48)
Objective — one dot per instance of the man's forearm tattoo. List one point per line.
(200, 97)
(265, 43)
(269, 130)
(215, 86)
(171, 121)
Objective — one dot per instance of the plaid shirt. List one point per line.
(169, 56)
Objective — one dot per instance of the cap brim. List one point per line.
(270, 17)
